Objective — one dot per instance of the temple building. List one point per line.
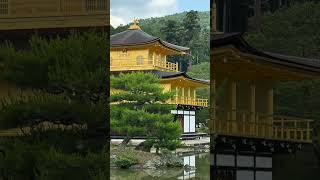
(246, 130)
(20, 18)
(248, 77)
(135, 50)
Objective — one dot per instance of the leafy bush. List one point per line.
(57, 61)
(126, 160)
(40, 161)
(32, 110)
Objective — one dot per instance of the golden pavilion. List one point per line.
(22, 17)
(248, 77)
(135, 50)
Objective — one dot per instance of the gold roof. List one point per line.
(134, 25)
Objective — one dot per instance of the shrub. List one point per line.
(40, 161)
(126, 160)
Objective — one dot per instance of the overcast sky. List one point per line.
(123, 11)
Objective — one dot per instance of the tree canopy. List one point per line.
(139, 109)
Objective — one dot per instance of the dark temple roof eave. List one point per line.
(167, 75)
(236, 39)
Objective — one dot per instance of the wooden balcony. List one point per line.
(142, 64)
(189, 101)
(262, 126)
(51, 14)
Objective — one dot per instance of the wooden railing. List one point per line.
(189, 101)
(165, 65)
(36, 14)
(257, 125)
(142, 64)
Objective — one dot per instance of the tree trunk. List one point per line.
(125, 141)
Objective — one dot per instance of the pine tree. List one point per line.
(191, 25)
(139, 109)
(59, 94)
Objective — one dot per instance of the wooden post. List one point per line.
(252, 108)
(183, 97)
(213, 104)
(308, 131)
(228, 122)
(195, 96)
(177, 93)
(177, 66)
(165, 62)
(256, 125)
(243, 123)
(189, 96)
(295, 130)
(282, 126)
(233, 99)
(270, 111)
(153, 59)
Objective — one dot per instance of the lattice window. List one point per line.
(4, 7)
(96, 5)
(140, 60)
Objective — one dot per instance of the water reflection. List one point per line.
(241, 167)
(198, 168)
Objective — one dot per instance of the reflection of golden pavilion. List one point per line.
(135, 50)
(248, 77)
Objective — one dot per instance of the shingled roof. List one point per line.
(134, 37)
(165, 75)
(236, 39)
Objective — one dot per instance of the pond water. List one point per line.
(201, 162)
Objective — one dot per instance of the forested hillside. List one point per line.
(293, 31)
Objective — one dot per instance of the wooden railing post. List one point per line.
(228, 120)
(154, 59)
(282, 128)
(189, 95)
(177, 93)
(295, 130)
(256, 125)
(308, 131)
(243, 123)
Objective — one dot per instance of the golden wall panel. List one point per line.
(35, 14)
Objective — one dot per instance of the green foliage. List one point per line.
(173, 31)
(140, 109)
(138, 88)
(166, 133)
(126, 159)
(57, 61)
(40, 161)
(200, 71)
(71, 70)
(153, 25)
(191, 24)
(298, 99)
(294, 31)
(202, 116)
(300, 36)
(34, 109)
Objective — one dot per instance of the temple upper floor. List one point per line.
(136, 50)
